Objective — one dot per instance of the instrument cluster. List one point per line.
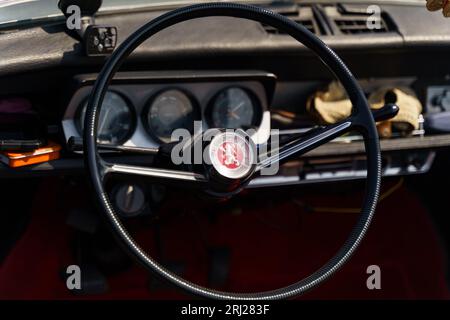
(145, 115)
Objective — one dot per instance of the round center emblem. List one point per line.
(231, 155)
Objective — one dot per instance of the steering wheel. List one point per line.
(361, 120)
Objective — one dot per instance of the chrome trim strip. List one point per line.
(156, 173)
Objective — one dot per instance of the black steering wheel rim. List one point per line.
(361, 118)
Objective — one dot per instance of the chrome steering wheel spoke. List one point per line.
(313, 139)
(164, 176)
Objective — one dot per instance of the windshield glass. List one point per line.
(16, 11)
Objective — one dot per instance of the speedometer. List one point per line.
(116, 120)
(170, 110)
(234, 108)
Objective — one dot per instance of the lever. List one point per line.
(388, 111)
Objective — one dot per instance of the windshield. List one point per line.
(17, 11)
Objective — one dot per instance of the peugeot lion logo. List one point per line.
(231, 155)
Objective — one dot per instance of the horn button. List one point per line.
(231, 159)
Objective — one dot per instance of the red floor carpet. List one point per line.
(272, 243)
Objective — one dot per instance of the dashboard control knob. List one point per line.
(130, 200)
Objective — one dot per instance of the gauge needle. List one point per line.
(237, 107)
(234, 115)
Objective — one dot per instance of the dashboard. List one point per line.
(237, 74)
(142, 109)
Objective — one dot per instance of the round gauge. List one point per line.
(167, 111)
(116, 120)
(234, 108)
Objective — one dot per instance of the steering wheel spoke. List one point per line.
(160, 175)
(312, 139)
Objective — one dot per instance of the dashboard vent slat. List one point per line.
(359, 26)
(301, 14)
(334, 19)
(357, 21)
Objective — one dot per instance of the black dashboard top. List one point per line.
(50, 46)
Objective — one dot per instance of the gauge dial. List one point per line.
(116, 119)
(170, 110)
(233, 108)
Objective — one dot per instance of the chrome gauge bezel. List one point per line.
(256, 103)
(129, 105)
(149, 104)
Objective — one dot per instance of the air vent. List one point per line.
(301, 14)
(353, 20)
